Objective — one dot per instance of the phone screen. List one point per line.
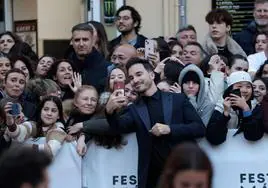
(15, 111)
(119, 86)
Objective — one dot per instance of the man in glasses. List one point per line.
(128, 23)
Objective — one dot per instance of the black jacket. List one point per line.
(139, 44)
(93, 69)
(179, 114)
(246, 38)
(251, 126)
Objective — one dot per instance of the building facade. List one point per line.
(55, 18)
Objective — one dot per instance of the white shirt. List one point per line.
(255, 61)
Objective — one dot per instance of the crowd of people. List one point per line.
(104, 95)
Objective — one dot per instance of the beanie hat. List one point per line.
(238, 76)
(191, 76)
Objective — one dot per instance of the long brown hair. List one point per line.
(187, 156)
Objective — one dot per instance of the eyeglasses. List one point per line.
(124, 18)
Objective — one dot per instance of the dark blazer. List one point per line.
(179, 114)
(116, 41)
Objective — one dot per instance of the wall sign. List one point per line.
(27, 31)
(241, 10)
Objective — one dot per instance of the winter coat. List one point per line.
(251, 126)
(201, 102)
(93, 69)
(211, 48)
(246, 37)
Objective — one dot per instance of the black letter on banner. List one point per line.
(133, 180)
(251, 178)
(242, 177)
(261, 178)
(115, 179)
(123, 180)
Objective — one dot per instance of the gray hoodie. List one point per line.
(201, 102)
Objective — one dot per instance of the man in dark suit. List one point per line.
(159, 119)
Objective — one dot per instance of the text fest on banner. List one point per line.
(239, 163)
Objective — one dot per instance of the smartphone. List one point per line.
(15, 109)
(236, 92)
(119, 86)
(149, 47)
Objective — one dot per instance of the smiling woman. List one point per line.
(62, 72)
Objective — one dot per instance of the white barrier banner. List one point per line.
(111, 168)
(239, 163)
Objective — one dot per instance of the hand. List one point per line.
(227, 106)
(159, 67)
(81, 147)
(239, 102)
(10, 120)
(77, 82)
(215, 63)
(160, 129)
(75, 128)
(154, 59)
(69, 138)
(176, 60)
(115, 102)
(175, 88)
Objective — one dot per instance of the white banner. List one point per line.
(111, 168)
(239, 163)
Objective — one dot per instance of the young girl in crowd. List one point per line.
(193, 85)
(260, 42)
(47, 133)
(237, 111)
(43, 65)
(260, 88)
(176, 49)
(187, 166)
(263, 70)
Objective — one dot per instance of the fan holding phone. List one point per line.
(237, 111)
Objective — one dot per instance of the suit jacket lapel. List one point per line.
(143, 113)
(167, 107)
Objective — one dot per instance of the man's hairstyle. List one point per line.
(83, 27)
(219, 16)
(203, 52)
(22, 165)
(235, 57)
(187, 28)
(134, 14)
(12, 71)
(260, 1)
(136, 60)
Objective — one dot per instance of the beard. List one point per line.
(261, 22)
